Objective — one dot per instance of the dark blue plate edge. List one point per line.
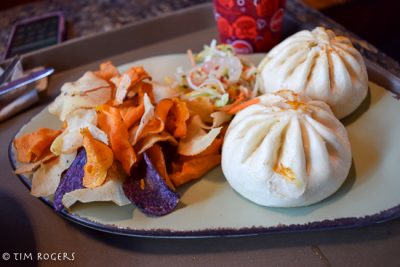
(339, 223)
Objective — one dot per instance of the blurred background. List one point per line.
(375, 21)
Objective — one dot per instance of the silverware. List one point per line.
(19, 83)
(5, 76)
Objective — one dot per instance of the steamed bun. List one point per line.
(286, 151)
(320, 64)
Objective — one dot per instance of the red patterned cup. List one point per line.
(249, 25)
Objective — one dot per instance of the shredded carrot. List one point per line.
(239, 99)
(111, 122)
(243, 105)
(31, 147)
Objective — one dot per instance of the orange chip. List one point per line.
(174, 113)
(156, 156)
(201, 106)
(137, 74)
(214, 148)
(132, 111)
(99, 160)
(31, 147)
(193, 168)
(107, 71)
(163, 108)
(145, 143)
(149, 123)
(145, 88)
(110, 121)
(131, 82)
(181, 114)
(31, 167)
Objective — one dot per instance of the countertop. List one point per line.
(88, 17)
(375, 21)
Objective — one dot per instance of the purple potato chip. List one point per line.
(148, 190)
(71, 179)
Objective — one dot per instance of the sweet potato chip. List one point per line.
(137, 74)
(131, 111)
(174, 114)
(163, 108)
(31, 167)
(107, 71)
(127, 81)
(194, 168)
(111, 190)
(202, 107)
(71, 138)
(149, 123)
(110, 121)
(197, 139)
(45, 180)
(147, 142)
(123, 84)
(156, 156)
(213, 149)
(145, 88)
(31, 147)
(180, 114)
(99, 159)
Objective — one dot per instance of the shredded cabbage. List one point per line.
(217, 73)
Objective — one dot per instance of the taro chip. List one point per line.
(46, 178)
(89, 91)
(71, 179)
(111, 190)
(219, 118)
(162, 91)
(149, 191)
(197, 140)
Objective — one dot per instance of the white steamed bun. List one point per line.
(286, 151)
(320, 64)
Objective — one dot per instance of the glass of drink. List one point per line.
(249, 25)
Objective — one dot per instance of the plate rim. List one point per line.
(328, 224)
